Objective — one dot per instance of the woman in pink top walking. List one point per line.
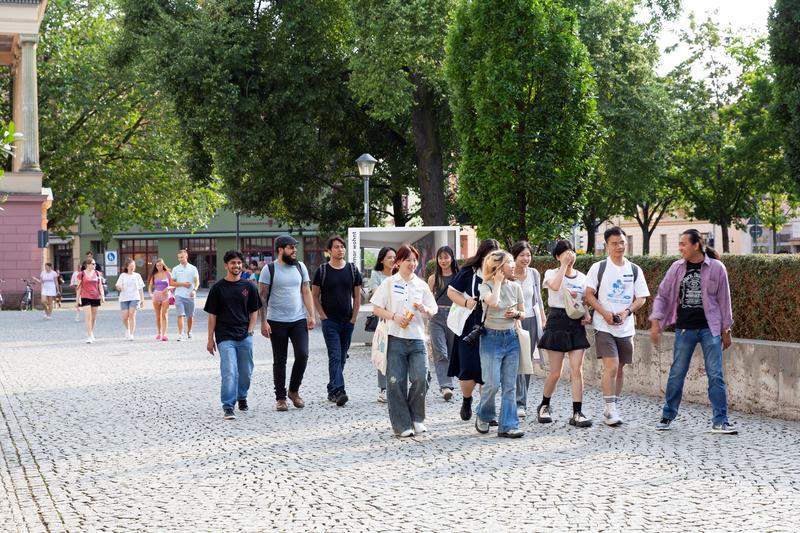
(158, 287)
(90, 293)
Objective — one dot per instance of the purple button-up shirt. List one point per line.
(713, 287)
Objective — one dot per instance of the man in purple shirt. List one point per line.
(695, 296)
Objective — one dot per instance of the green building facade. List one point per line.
(206, 246)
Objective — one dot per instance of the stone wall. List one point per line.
(762, 377)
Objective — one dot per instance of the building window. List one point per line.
(144, 253)
(663, 244)
(312, 253)
(258, 248)
(62, 257)
(203, 255)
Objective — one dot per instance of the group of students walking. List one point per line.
(491, 344)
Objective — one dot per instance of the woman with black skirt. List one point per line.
(465, 361)
(564, 335)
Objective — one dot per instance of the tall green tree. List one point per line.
(723, 144)
(784, 31)
(521, 95)
(108, 139)
(633, 115)
(397, 74)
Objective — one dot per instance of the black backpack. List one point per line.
(602, 271)
(324, 271)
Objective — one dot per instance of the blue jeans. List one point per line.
(337, 340)
(499, 368)
(441, 341)
(406, 362)
(685, 342)
(236, 369)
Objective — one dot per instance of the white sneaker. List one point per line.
(521, 412)
(77, 317)
(180, 337)
(89, 340)
(611, 417)
(382, 396)
(419, 427)
(407, 433)
(447, 394)
(130, 337)
(189, 335)
(127, 334)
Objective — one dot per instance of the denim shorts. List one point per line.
(129, 304)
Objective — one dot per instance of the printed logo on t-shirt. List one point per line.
(692, 297)
(245, 293)
(616, 293)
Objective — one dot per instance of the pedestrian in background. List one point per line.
(232, 306)
(695, 296)
(442, 338)
(405, 301)
(499, 344)
(90, 294)
(186, 280)
(530, 281)
(382, 270)
(564, 336)
(465, 359)
(131, 296)
(337, 297)
(48, 279)
(158, 287)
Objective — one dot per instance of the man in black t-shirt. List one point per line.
(232, 306)
(337, 297)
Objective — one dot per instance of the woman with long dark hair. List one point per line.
(465, 360)
(441, 337)
(530, 281)
(158, 287)
(382, 270)
(405, 301)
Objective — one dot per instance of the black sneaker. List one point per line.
(228, 414)
(663, 425)
(580, 421)
(493, 423)
(332, 397)
(243, 405)
(341, 398)
(725, 429)
(543, 415)
(466, 408)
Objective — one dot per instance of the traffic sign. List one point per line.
(756, 232)
(111, 257)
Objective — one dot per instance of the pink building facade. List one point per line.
(23, 200)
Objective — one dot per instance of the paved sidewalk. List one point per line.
(128, 436)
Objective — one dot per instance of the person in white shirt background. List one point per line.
(131, 296)
(186, 280)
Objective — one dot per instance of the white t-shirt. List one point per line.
(129, 285)
(616, 293)
(49, 286)
(403, 296)
(528, 290)
(185, 274)
(575, 284)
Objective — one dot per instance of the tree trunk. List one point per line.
(430, 172)
(522, 207)
(726, 245)
(400, 218)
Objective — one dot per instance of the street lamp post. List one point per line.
(366, 165)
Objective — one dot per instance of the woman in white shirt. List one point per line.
(49, 280)
(131, 296)
(499, 344)
(564, 336)
(382, 270)
(405, 300)
(531, 282)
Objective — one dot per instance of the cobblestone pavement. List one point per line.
(128, 436)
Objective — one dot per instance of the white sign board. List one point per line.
(427, 239)
(111, 258)
(112, 271)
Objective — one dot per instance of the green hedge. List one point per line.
(765, 291)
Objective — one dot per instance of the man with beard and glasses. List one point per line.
(232, 305)
(287, 314)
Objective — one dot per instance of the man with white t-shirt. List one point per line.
(615, 288)
(186, 280)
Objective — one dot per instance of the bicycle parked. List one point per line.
(26, 304)
(1, 294)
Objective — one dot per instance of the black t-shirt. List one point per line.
(232, 302)
(337, 292)
(690, 300)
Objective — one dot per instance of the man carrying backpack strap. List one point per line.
(288, 314)
(337, 297)
(615, 288)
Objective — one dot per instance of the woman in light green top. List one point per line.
(382, 270)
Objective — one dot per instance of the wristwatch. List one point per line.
(250, 333)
